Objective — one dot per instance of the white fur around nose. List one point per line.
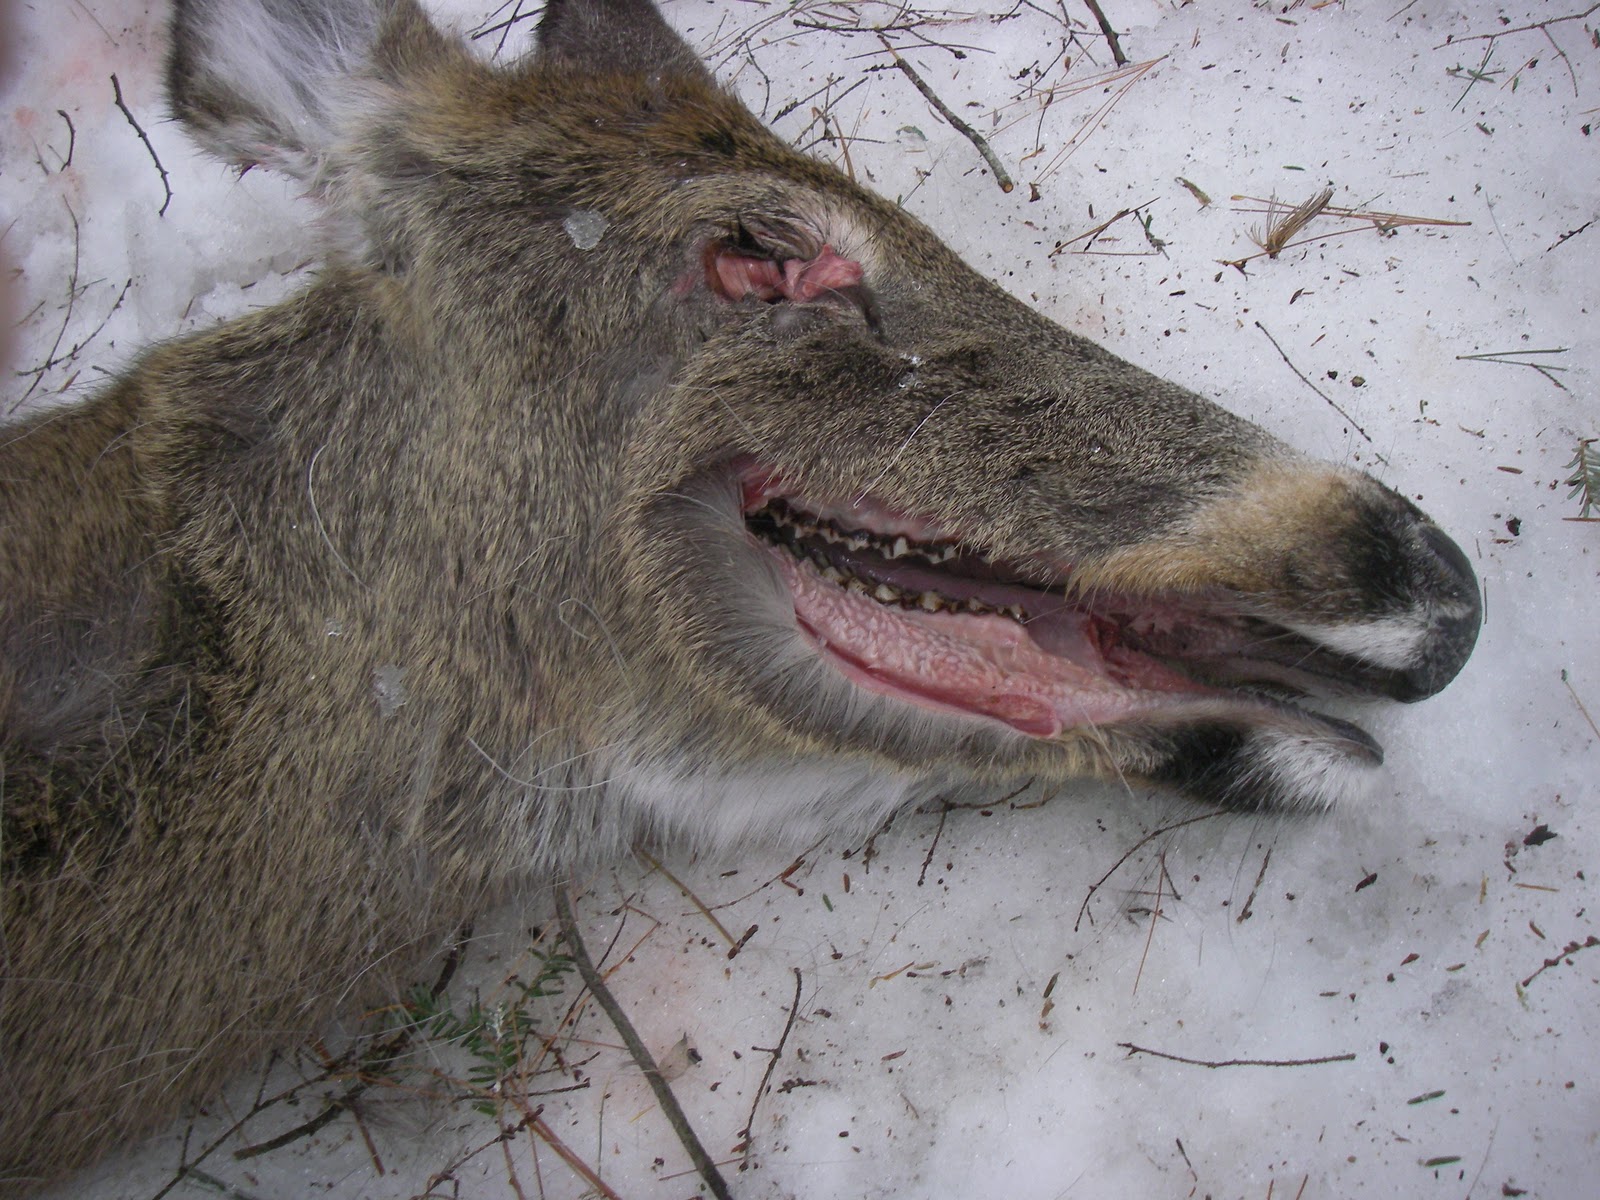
(1392, 642)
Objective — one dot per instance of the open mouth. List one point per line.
(904, 608)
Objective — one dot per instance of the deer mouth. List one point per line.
(903, 608)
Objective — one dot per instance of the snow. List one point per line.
(968, 980)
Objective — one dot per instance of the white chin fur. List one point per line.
(1392, 642)
(1312, 772)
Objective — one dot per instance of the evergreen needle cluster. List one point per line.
(1585, 478)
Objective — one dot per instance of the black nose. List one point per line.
(1446, 578)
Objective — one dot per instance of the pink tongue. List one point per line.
(984, 665)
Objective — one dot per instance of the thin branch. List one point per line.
(1509, 358)
(1571, 233)
(72, 138)
(569, 1156)
(1092, 234)
(1111, 34)
(927, 859)
(670, 1107)
(766, 1077)
(1130, 852)
(143, 137)
(1155, 915)
(1236, 1062)
(688, 895)
(1580, 704)
(956, 123)
(1332, 403)
(1489, 37)
(1567, 952)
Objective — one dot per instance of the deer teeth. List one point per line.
(794, 527)
(807, 538)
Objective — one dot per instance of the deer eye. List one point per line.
(737, 271)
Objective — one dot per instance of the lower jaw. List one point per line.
(985, 666)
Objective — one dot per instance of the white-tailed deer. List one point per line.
(624, 474)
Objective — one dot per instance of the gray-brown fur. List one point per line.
(321, 629)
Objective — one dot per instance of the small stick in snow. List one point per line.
(537, 1125)
(72, 139)
(1489, 37)
(1088, 236)
(1581, 708)
(927, 859)
(1236, 1062)
(956, 123)
(1155, 915)
(1517, 358)
(781, 877)
(670, 1108)
(1567, 952)
(655, 865)
(777, 1052)
(1129, 853)
(1111, 34)
(1245, 912)
(1571, 233)
(143, 137)
(1332, 403)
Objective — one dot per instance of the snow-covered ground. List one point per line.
(970, 983)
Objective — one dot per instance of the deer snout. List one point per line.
(1457, 615)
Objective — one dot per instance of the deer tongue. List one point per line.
(1057, 671)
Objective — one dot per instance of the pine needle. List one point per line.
(1585, 478)
(1283, 224)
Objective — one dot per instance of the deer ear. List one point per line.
(601, 36)
(272, 82)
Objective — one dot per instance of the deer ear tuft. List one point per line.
(614, 36)
(272, 82)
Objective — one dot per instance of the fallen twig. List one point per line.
(1489, 37)
(743, 1148)
(1249, 901)
(536, 1125)
(670, 1108)
(72, 138)
(1332, 403)
(1129, 853)
(927, 859)
(955, 122)
(1567, 951)
(1092, 234)
(688, 895)
(143, 137)
(1580, 704)
(781, 877)
(1509, 358)
(1155, 915)
(1571, 233)
(1236, 1062)
(1111, 34)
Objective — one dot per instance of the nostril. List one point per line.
(1459, 612)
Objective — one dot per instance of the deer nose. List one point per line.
(1458, 615)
